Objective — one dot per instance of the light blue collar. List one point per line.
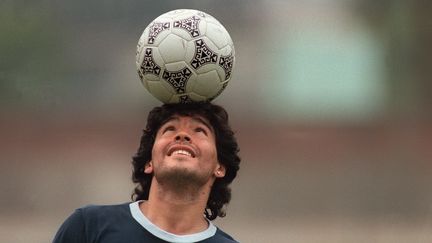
(167, 236)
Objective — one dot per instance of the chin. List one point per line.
(181, 176)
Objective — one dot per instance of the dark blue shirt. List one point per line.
(125, 223)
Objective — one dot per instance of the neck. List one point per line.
(177, 211)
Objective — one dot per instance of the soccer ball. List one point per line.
(185, 56)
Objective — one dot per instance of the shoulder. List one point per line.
(101, 216)
(103, 210)
(87, 221)
(221, 236)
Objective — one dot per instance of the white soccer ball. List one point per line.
(185, 56)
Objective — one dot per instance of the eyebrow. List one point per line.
(195, 118)
(200, 120)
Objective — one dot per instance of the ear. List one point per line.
(220, 171)
(148, 168)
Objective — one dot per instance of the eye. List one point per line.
(201, 129)
(168, 129)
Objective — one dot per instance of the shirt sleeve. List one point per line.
(72, 230)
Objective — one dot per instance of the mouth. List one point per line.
(181, 150)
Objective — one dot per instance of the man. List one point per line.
(187, 158)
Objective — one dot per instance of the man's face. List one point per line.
(185, 149)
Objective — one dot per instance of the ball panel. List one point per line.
(145, 83)
(207, 84)
(173, 99)
(175, 66)
(208, 18)
(173, 49)
(218, 35)
(227, 50)
(156, 57)
(159, 91)
(197, 97)
(150, 77)
(221, 73)
(221, 88)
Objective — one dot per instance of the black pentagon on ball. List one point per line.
(203, 54)
(191, 25)
(148, 65)
(178, 79)
(155, 29)
(226, 62)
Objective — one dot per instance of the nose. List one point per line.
(182, 137)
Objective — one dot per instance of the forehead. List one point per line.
(194, 119)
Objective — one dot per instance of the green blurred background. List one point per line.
(330, 101)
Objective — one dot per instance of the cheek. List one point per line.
(212, 152)
(158, 147)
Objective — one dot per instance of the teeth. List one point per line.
(183, 152)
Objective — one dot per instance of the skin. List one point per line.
(184, 166)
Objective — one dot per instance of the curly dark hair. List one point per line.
(226, 146)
